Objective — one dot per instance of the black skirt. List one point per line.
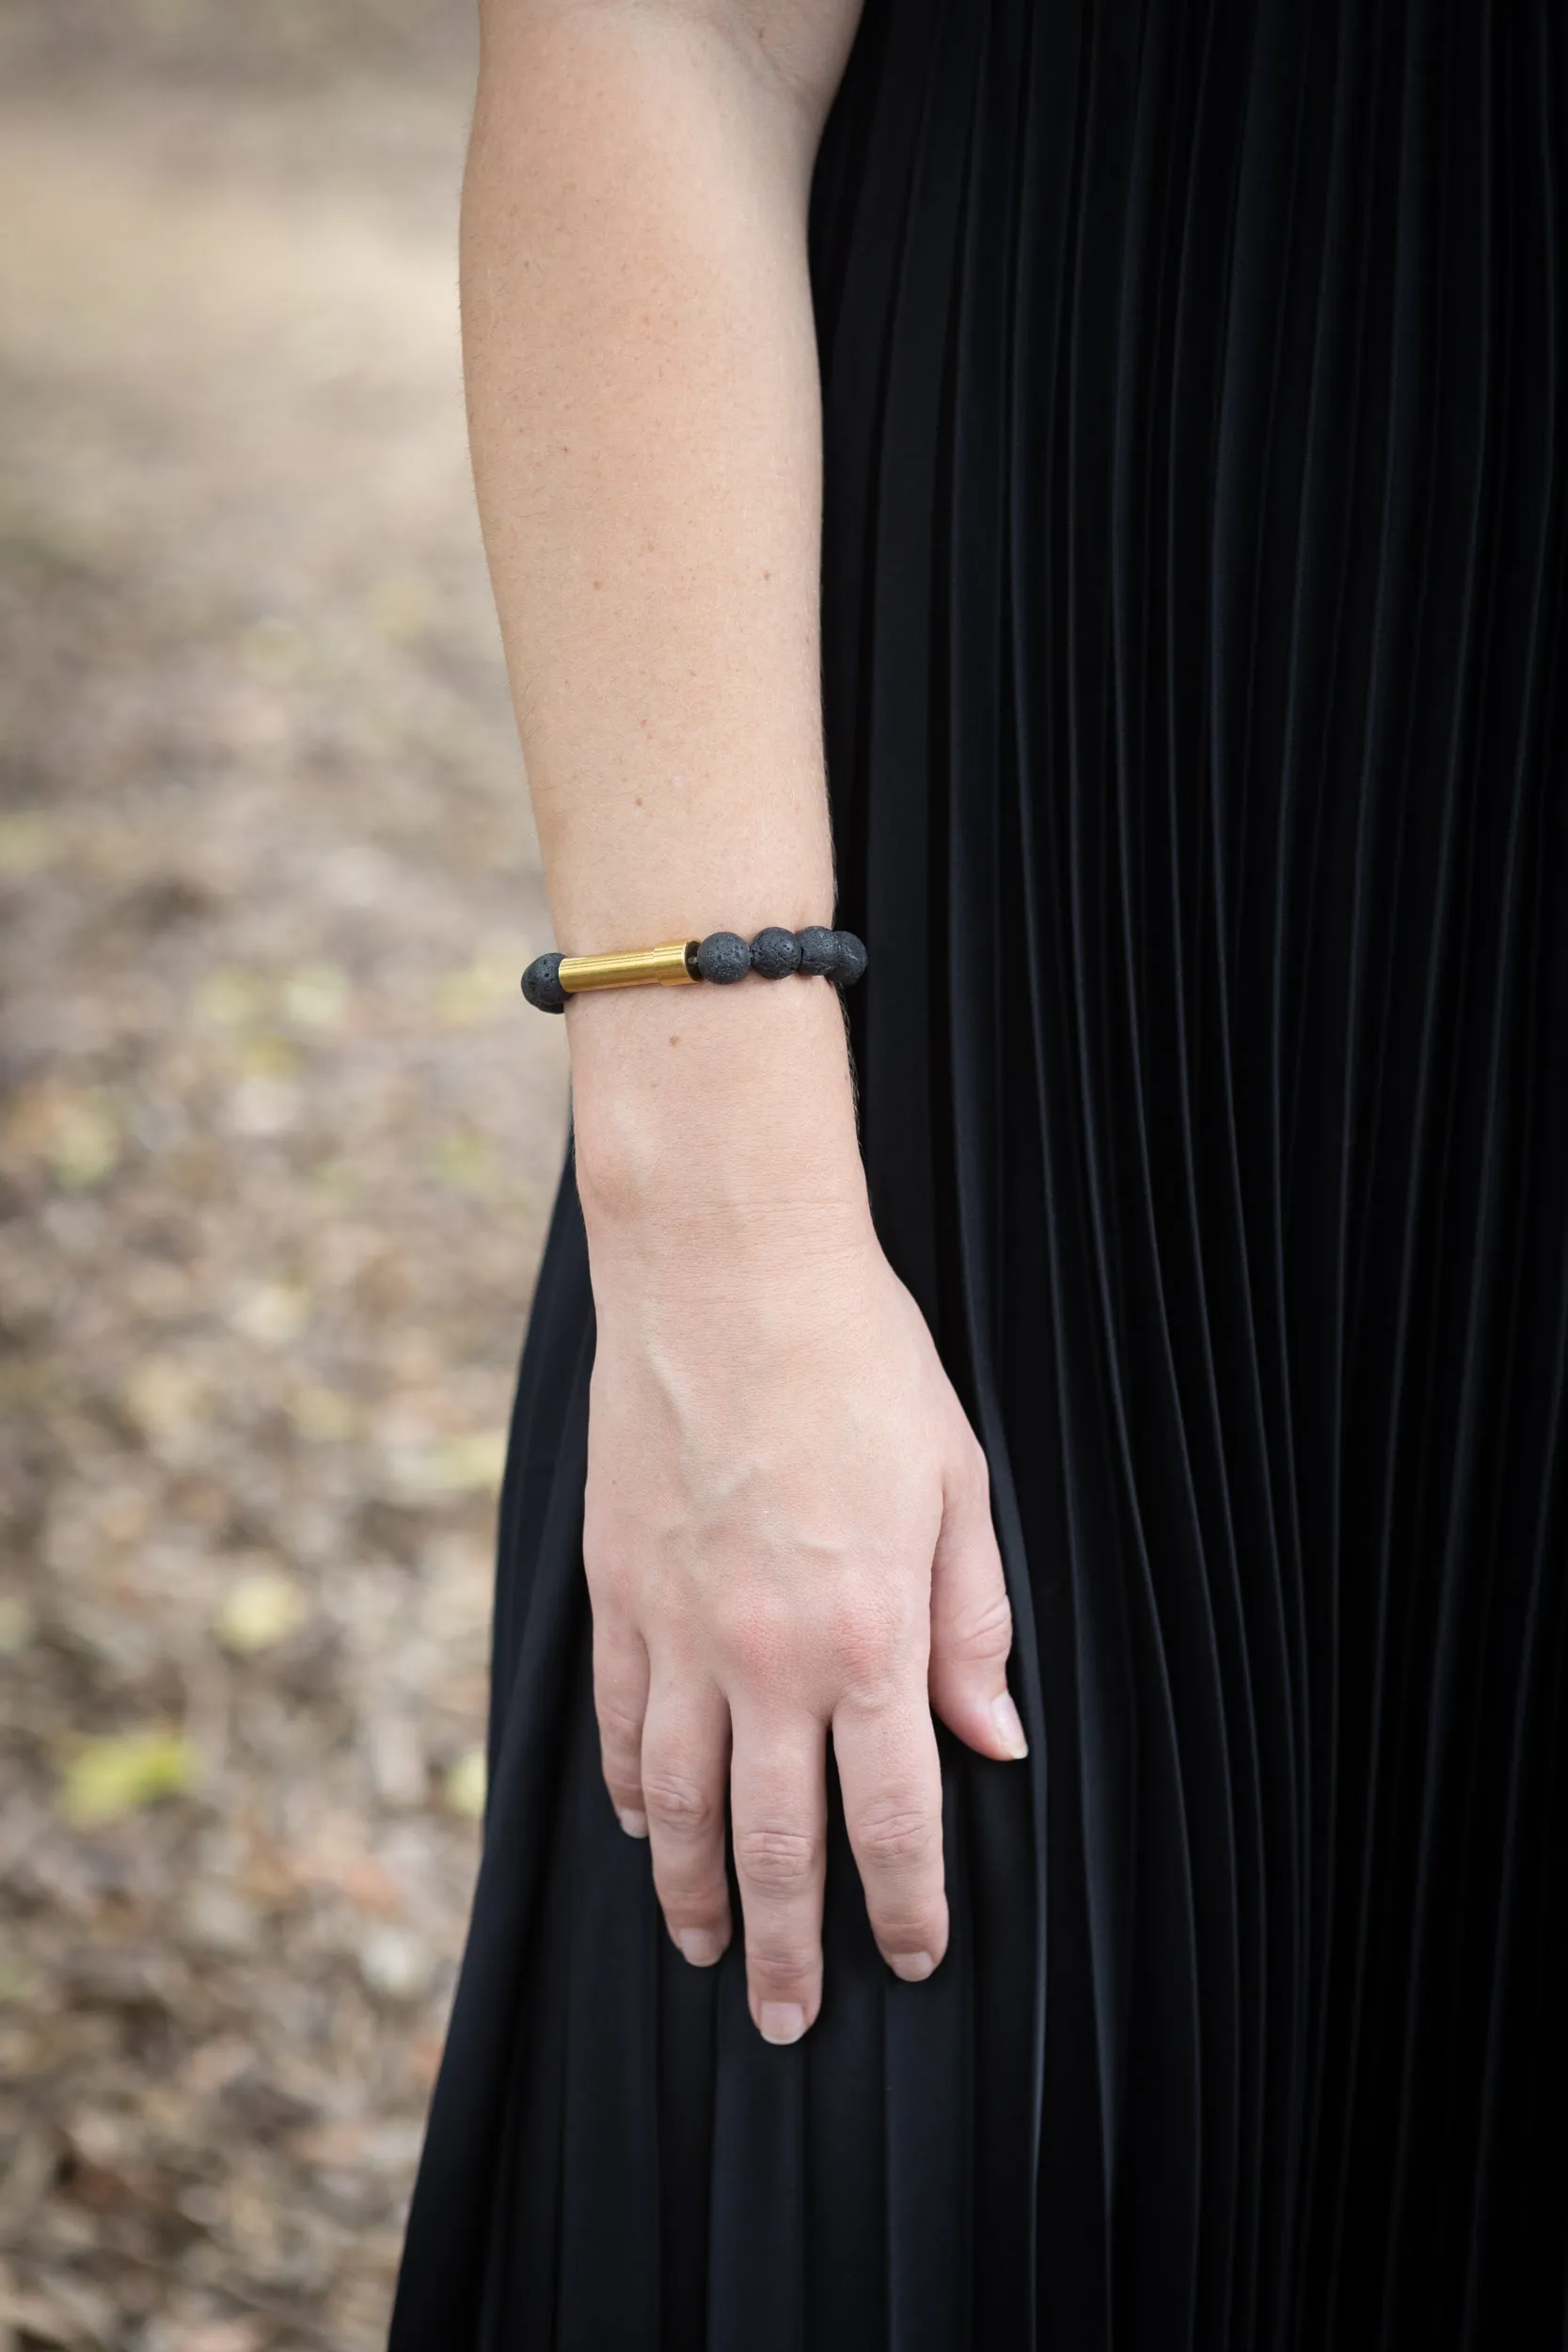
(1197, 669)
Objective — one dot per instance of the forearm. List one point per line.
(786, 1524)
(646, 434)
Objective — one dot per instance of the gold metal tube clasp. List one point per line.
(669, 966)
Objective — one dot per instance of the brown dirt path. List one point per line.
(275, 1147)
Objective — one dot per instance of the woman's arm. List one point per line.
(787, 1518)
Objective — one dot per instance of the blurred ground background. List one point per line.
(277, 1143)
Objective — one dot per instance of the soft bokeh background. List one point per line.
(276, 1144)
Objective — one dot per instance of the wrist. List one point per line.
(722, 1118)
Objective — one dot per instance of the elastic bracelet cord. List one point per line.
(723, 958)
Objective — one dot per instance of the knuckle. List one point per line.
(910, 1932)
(751, 1639)
(868, 1641)
(983, 1630)
(894, 1835)
(778, 1861)
(620, 1726)
(862, 1640)
(701, 1902)
(676, 1802)
(782, 1968)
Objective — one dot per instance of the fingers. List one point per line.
(972, 1625)
(686, 1743)
(890, 1777)
(778, 1803)
(621, 1701)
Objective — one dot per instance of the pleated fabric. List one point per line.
(1196, 675)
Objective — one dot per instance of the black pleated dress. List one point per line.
(1196, 660)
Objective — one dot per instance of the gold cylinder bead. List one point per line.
(633, 967)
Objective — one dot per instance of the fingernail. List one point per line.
(700, 1946)
(783, 2020)
(1003, 1714)
(914, 1967)
(634, 1824)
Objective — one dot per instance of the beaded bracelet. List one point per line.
(723, 957)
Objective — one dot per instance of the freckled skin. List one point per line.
(805, 1546)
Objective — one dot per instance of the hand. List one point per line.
(787, 1531)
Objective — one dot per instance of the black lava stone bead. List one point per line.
(818, 951)
(542, 984)
(724, 956)
(848, 959)
(775, 953)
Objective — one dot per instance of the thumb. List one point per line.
(972, 1624)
